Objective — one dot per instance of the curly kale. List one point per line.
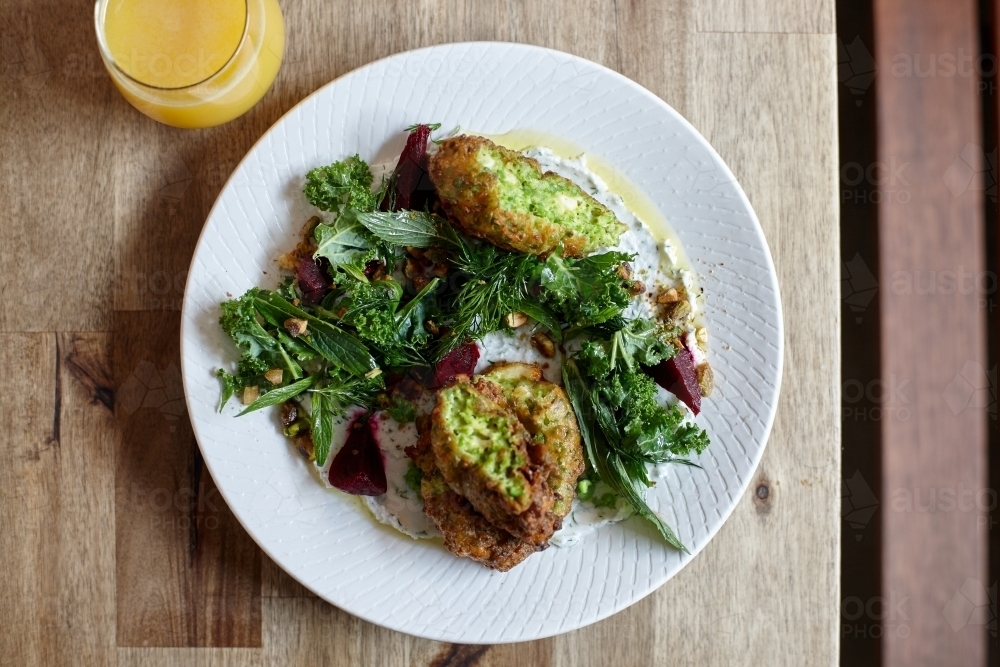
(343, 184)
(586, 291)
(637, 342)
(394, 331)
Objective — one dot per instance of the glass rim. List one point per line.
(100, 10)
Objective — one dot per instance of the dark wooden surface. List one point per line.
(862, 409)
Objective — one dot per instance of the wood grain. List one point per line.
(149, 575)
(56, 502)
(779, 138)
(186, 572)
(766, 16)
(56, 200)
(940, 448)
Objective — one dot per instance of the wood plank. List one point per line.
(56, 501)
(786, 16)
(654, 48)
(771, 115)
(276, 583)
(301, 631)
(190, 657)
(187, 574)
(931, 250)
(56, 228)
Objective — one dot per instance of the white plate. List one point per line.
(326, 540)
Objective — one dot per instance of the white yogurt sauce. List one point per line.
(657, 263)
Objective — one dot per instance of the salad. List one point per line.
(484, 344)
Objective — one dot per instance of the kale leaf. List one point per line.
(585, 291)
(346, 244)
(637, 342)
(396, 332)
(343, 184)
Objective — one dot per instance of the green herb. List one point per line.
(636, 342)
(279, 395)
(433, 126)
(248, 374)
(413, 477)
(402, 410)
(405, 228)
(623, 428)
(346, 244)
(322, 427)
(585, 291)
(492, 283)
(342, 391)
(332, 343)
(261, 349)
(396, 333)
(343, 184)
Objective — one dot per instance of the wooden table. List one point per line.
(116, 546)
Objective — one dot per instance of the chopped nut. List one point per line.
(289, 413)
(701, 335)
(288, 262)
(432, 328)
(274, 376)
(706, 379)
(296, 326)
(382, 401)
(624, 271)
(544, 345)
(310, 226)
(411, 269)
(304, 443)
(668, 296)
(515, 319)
(637, 287)
(676, 311)
(250, 394)
(373, 373)
(415, 252)
(440, 270)
(420, 282)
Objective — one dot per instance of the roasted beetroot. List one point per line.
(358, 467)
(313, 280)
(460, 361)
(678, 376)
(412, 187)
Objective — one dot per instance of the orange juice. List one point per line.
(191, 63)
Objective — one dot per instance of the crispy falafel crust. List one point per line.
(545, 411)
(528, 517)
(467, 533)
(470, 195)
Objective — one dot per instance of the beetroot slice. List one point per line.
(313, 281)
(678, 376)
(460, 361)
(358, 467)
(412, 188)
